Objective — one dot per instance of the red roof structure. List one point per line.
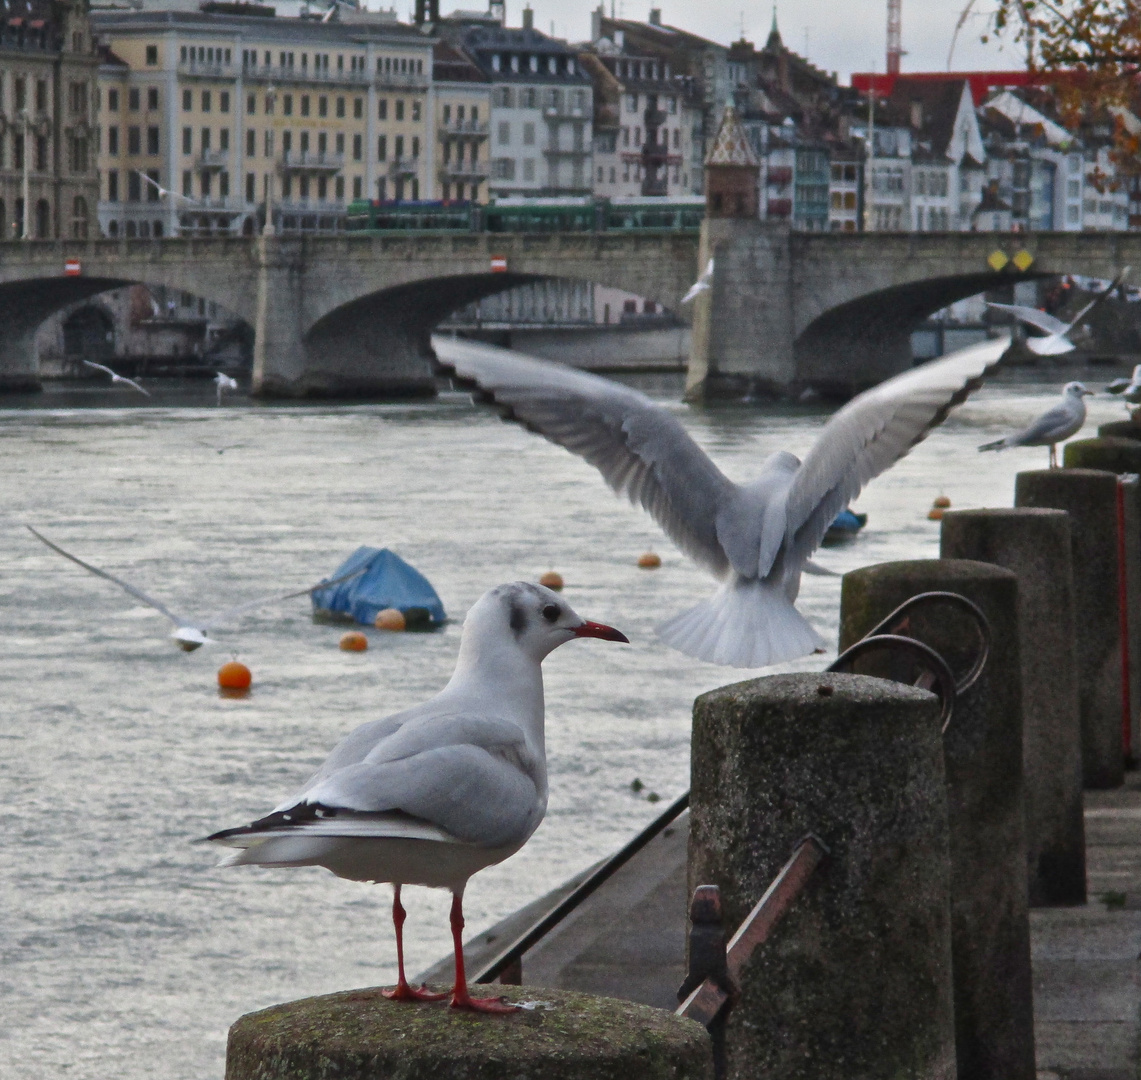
(982, 82)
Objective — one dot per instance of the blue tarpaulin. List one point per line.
(388, 582)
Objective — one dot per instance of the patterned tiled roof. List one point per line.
(731, 146)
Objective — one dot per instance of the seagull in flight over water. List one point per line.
(433, 794)
(1057, 340)
(115, 378)
(189, 635)
(755, 538)
(703, 284)
(1055, 425)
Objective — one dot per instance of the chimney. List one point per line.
(655, 16)
(528, 18)
(596, 17)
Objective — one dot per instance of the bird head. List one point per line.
(535, 618)
(189, 638)
(1076, 389)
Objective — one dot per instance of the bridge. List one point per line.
(351, 315)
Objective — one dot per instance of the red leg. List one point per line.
(402, 991)
(461, 999)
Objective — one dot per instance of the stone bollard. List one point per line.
(360, 1035)
(1035, 544)
(855, 980)
(1120, 429)
(1090, 496)
(1111, 454)
(990, 923)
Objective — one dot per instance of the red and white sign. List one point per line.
(499, 264)
(71, 268)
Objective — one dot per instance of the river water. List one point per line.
(123, 952)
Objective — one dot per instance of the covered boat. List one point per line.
(386, 582)
(845, 526)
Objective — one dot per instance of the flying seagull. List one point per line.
(188, 635)
(115, 378)
(433, 794)
(1057, 340)
(1055, 425)
(164, 192)
(702, 284)
(224, 382)
(1129, 389)
(756, 538)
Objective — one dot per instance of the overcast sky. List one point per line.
(837, 35)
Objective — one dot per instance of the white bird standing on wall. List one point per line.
(223, 382)
(703, 284)
(188, 634)
(433, 794)
(1055, 425)
(756, 538)
(115, 378)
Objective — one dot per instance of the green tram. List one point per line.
(586, 214)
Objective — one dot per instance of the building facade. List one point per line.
(48, 72)
(462, 96)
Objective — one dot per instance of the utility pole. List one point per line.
(869, 155)
(268, 229)
(894, 36)
(27, 230)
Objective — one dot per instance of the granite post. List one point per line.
(990, 923)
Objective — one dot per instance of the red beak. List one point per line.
(600, 630)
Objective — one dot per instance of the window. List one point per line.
(416, 110)
(134, 187)
(287, 105)
(398, 147)
(251, 105)
(224, 101)
(134, 140)
(112, 185)
(42, 96)
(504, 137)
(381, 148)
(152, 139)
(187, 101)
(112, 97)
(286, 141)
(529, 170)
(399, 109)
(205, 100)
(304, 104)
(251, 187)
(269, 144)
(631, 103)
(339, 188)
(152, 55)
(188, 183)
(358, 109)
(269, 100)
(113, 141)
(503, 168)
(322, 106)
(504, 98)
(415, 146)
(528, 134)
(322, 188)
(305, 142)
(358, 187)
(224, 139)
(152, 187)
(224, 184)
(204, 184)
(340, 142)
(358, 148)
(133, 99)
(251, 143)
(205, 139)
(187, 141)
(340, 108)
(322, 143)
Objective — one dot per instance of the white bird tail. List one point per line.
(744, 624)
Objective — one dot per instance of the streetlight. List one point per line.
(268, 229)
(27, 231)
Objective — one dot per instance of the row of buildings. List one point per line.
(159, 117)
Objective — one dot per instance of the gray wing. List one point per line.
(641, 450)
(1054, 424)
(249, 605)
(471, 776)
(135, 386)
(1101, 296)
(1036, 318)
(1119, 385)
(138, 594)
(98, 367)
(872, 432)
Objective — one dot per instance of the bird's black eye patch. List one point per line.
(518, 619)
(551, 612)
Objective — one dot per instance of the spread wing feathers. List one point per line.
(249, 605)
(640, 448)
(138, 594)
(1101, 296)
(873, 431)
(1046, 323)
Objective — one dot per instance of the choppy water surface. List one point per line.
(123, 952)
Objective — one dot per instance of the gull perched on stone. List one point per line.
(187, 634)
(115, 378)
(1055, 425)
(755, 538)
(702, 284)
(1057, 340)
(433, 794)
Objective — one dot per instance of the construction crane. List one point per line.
(894, 42)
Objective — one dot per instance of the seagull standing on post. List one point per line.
(436, 793)
(1055, 425)
(757, 537)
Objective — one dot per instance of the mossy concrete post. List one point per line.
(990, 920)
(360, 1035)
(855, 981)
(1120, 429)
(1090, 497)
(1035, 544)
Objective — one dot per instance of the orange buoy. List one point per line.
(390, 618)
(649, 560)
(354, 641)
(942, 503)
(552, 579)
(234, 676)
(935, 513)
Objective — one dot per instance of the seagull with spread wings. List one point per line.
(755, 538)
(1057, 333)
(188, 634)
(116, 378)
(703, 284)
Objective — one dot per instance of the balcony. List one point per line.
(295, 75)
(465, 170)
(404, 167)
(201, 70)
(308, 206)
(399, 80)
(780, 175)
(308, 161)
(470, 128)
(571, 152)
(211, 160)
(564, 112)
